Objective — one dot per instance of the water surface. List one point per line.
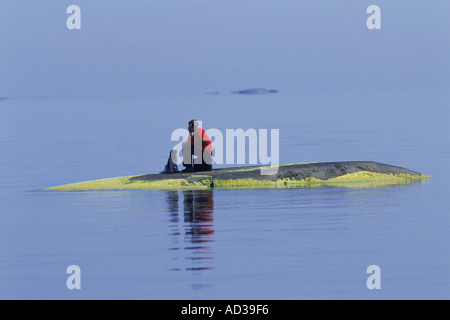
(223, 244)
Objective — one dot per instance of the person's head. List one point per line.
(192, 125)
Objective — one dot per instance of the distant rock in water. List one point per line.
(32, 98)
(255, 91)
(40, 98)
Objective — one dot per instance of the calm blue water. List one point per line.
(223, 244)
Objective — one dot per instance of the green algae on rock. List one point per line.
(360, 174)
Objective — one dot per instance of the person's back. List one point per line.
(198, 144)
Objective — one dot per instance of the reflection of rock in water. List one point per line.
(198, 227)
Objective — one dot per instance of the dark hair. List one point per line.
(194, 123)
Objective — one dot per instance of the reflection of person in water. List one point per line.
(198, 208)
(198, 212)
(172, 200)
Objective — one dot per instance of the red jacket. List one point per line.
(201, 135)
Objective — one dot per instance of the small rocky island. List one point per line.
(255, 91)
(359, 174)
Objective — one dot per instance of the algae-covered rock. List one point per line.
(343, 174)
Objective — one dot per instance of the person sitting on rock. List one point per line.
(198, 145)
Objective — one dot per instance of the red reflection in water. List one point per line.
(198, 227)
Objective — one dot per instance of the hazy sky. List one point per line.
(144, 48)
